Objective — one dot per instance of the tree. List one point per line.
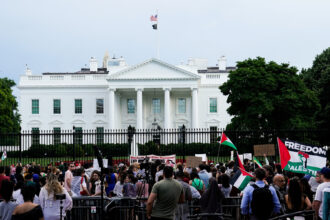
(9, 117)
(265, 96)
(317, 78)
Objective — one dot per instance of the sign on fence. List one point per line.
(268, 149)
(203, 156)
(193, 162)
(168, 160)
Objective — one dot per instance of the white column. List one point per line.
(139, 109)
(112, 108)
(194, 108)
(167, 108)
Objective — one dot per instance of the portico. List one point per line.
(153, 91)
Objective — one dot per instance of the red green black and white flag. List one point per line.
(301, 158)
(226, 141)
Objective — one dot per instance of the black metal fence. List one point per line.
(44, 147)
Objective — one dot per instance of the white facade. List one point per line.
(184, 93)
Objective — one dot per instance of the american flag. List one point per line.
(153, 18)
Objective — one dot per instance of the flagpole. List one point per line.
(157, 37)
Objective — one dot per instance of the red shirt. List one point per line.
(3, 177)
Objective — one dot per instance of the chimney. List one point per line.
(222, 63)
(93, 64)
(28, 72)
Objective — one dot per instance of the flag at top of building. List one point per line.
(226, 141)
(154, 19)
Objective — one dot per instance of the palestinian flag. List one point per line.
(257, 162)
(240, 163)
(4, 155)
(241, 179)
(226, 141)
(284, 153)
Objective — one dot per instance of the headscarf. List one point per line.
(211, 198)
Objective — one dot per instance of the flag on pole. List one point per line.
(226, 141)
(257, 162)
(240, 162)
(4, 155)
(154, 19)
(284, 153)
(241, 179)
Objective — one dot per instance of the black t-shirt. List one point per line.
(33, 214)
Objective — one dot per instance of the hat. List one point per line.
(120, 165)
(325, 170)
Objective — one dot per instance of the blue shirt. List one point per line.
(204, 175)
(247, 198)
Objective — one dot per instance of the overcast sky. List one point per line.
(62, 35)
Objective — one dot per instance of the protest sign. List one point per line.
(203, 156)
(247, 156)
(193, 162)
(168, 160)
(96, 164)
(268, 149)
(301, 158)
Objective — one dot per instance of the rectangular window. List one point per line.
(78, 106)
(99, 106)
(213, 134)
(57, 106)
(100, 135)
(130, 106)
(57, 135)
(156, 106)
(78, 135)
(35, 136)
(181, 105)
(35, 106)
(213, 105)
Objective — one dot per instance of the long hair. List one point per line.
(211, 198)
(295, 195)
(52, 185)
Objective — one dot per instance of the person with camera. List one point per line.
(54, 198)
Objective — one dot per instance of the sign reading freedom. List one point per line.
(305, 159)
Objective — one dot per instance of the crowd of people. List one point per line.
(35, 192)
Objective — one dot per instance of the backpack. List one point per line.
(262, 202)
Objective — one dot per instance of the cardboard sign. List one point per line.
(193, 162)
(203, 156)
(268, 149)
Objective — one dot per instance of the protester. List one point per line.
(225, 187)
(110, 181)
(280, 187)
(204, 175)
(28, 210)
(314, 182)
(211, 199)
(3, 177)
(295, 199)
(166, 200)
(48, 201)
(68, 178)
(118, 190)
(259, 199)
(196, 182)
(129, 188)
(318, 201)
(182, 210)
(7, 207)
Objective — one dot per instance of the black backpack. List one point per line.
(262, 202)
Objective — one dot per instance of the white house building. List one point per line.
(117, 95)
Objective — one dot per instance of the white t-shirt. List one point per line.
(319, 195)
